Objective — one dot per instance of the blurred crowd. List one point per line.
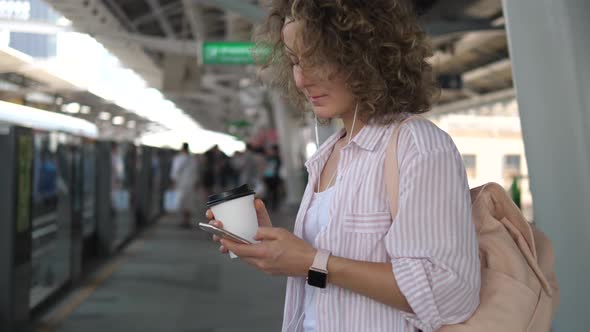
(197, 176)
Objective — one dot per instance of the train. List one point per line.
(68, 201)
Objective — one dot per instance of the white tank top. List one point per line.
(316, 219)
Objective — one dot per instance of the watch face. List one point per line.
(316, 278)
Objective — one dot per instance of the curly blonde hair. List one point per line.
(378, 45)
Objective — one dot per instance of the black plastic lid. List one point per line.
(241, 191)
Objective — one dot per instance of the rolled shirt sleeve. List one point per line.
(432, 241)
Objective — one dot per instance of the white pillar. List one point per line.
(290, 148)
(550, 49)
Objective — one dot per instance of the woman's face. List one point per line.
(328, 94)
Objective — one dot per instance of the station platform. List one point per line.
(173, 279)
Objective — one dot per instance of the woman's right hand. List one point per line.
(261, 214)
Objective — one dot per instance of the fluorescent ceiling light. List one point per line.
(104, 116)
(72, 108)
(40, 97)
(118, 120)
(85, 109)
(108, 78)
(64, 22)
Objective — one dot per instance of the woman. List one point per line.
(365, 62)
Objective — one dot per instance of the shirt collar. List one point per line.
(324, 150)
(366, 139)
(369, 136)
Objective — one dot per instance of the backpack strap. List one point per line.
(391, 168)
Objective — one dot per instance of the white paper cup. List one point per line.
(235, 209)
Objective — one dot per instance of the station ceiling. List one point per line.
(24, 80)
(160, 40)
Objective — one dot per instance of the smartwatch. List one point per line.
(317, 275)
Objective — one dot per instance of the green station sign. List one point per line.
(231, 53)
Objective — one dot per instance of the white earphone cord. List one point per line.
(317, 140)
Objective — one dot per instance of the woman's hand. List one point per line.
(261, 214)
(280, 252)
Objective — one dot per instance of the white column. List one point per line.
(290, 148)
(550, 49)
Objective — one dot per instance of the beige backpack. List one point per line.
(519, 290)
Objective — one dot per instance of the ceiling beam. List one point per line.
(153, 43)
(163, 10)
(248, 11)
(482, 41)
(477, 101)
(155, 6)
(219, 89)
(195, 19)
(32, 26)
(122, 16)
(204, 98)
(489, 71)
(223, 77)
(444, 27)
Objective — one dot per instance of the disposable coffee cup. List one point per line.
(235, 209)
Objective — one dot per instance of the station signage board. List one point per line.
(231, 53)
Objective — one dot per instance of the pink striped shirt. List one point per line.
(431, 244)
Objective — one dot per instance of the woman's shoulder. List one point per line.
(424, 137)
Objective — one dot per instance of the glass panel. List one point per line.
(511, 167)
(512, 162)
(51, 215)
(156, 184)
(470, 165)
(88, 189)
(122, 181)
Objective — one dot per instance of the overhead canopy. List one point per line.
(28, 80)
(14, 61)
(38, 119)
(161, 39)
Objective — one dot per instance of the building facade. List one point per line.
(492, 148)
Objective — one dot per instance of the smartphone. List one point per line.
(222, 233)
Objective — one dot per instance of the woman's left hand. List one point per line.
(280, 252)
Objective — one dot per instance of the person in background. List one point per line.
(117, 167)
(237, 164)
(209, 171)
(225, 170)
(272, 176)
(184, 176)
(251, 173)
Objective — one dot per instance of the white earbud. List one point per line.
(317, 142)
